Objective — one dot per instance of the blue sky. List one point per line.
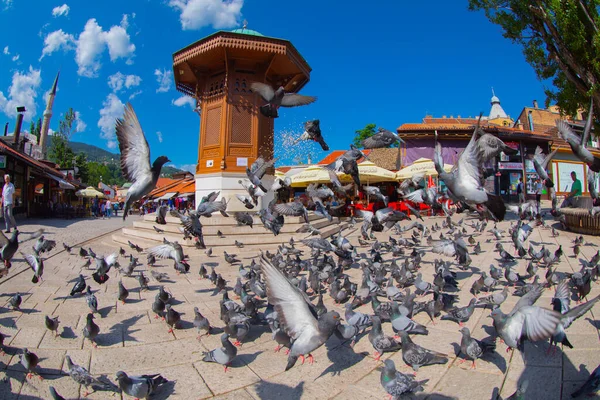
(385, 62)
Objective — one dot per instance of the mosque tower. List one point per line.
(497, 114)
(47, 116)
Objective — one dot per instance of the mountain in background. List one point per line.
(96, 154)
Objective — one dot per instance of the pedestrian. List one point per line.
(103, 209)
(108, 208)
(575, 191)
(95, 207)
(8, 192)
(538, 195)
(520, 191)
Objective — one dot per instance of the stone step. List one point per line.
(219, 220)
(211, 230)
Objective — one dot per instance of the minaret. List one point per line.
(47, 116)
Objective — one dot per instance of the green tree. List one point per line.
(361, 134)
(81, 163)
(560, 41)
(60, 151)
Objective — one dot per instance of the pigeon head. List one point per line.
(160, 161)
(464, 331)
(224, 338)
(313, 127)
(329, 320)
(389, 365)
(90, 316)
(121, 375)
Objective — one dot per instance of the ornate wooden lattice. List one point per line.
(241, 85)
(241, 123)
(215, 87)
(213, 126)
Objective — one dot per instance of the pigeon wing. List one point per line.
(289, 303)
(265, 91)
(293, 100)
(135, 153)
(162, 251)
(539, 323)
(415, 197)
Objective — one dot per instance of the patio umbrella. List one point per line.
(421, 166)
(312, 174)
(90, 192)
(368, 172)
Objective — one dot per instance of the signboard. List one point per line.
(242, 161)
(2, 161)
(564, 175)
(510, 165)
(529, 168)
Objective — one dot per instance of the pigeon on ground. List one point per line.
(29, 361)
(135, 158)
(123, 292)
(158, 230)
(52, 324)
(159, 276)
(243, 218)
(91, 330)
(103, 266)
(158, 307)
(381, 342)
(67, 248)
(397, 384)
(172, 317)
(82, 376)
(201, 323)
(36, 264)
(91, 300)
(79, 285)
(223, 355)
(140, 387)
(15, 302)
(278, 98)
(495, 299)
(417, 356)
(161, 217)
(307, 332)
(474, 348)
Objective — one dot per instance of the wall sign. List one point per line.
(510, 165)
(242, 161)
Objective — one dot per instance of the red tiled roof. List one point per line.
(185, 185)
(283, 169)
(164, 181)
(331, 157)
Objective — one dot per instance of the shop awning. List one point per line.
(166, 196)
(61, 182)
(182, 195)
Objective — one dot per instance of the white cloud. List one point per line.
(6, 50)
(196, 14)
(119, 81)
(79, 124)
(16, 57)
(111, 144)
(92, 42)
(164, 80)
(183, 100)
(22, 92)
(112, 108)
(159, 136)
(60, 11)
(134, 94)
(188, 167)
(55, 41)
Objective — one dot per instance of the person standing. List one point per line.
(575, 191)
(8, 192)
(520, 191)
(108, 208)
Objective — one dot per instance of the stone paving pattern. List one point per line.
(133, 341)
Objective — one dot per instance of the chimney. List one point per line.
(17, 133)
(530, 120)
(535, 104)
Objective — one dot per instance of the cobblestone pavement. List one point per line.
(133, 341)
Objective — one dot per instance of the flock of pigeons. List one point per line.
(280, 289)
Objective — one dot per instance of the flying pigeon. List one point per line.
(278, 98)
(578, 145)
(135, 158)
(383, 138)
(312, 131)
(540, 164)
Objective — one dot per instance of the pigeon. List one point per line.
(15, 302)
(79, 285)
(143, 281)
(83, 253)
(170, 250)
(590, 386)
(307, 332)
(207, 208)
(381, 342)
(29, 361)
(461, 314)
(294, 208)
(201, 323)
(401, 322)
(473, 348)
(495, 299)
(161, 217)
(223, 355)
(36, 264)
(52, 324)
(91, 330)
(578, 144)
(243, 218)
(278, 98)
(67, 248)
(397, 384)
(140, 387)
(103, 266)
(135, 158)
(158, 230)
(158, 307)
(172, 317)
(383, 138)
(417, 356)
(246, 200)
(91, 300)
(159, 276)
(82, 376)
(123, 292)
(42, 245)
(540, 164)
(312, 131)
(133, 245)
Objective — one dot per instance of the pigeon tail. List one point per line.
(269, 111)
(291, 361)
(496, 206)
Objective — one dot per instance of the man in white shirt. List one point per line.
(8, 192)
(108, 208)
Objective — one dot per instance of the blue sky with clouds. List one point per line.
(384, 62)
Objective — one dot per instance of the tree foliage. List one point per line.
(60, 152)
(560, 40)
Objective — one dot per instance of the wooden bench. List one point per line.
(578, 218)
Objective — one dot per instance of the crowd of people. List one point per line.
(102, 208)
